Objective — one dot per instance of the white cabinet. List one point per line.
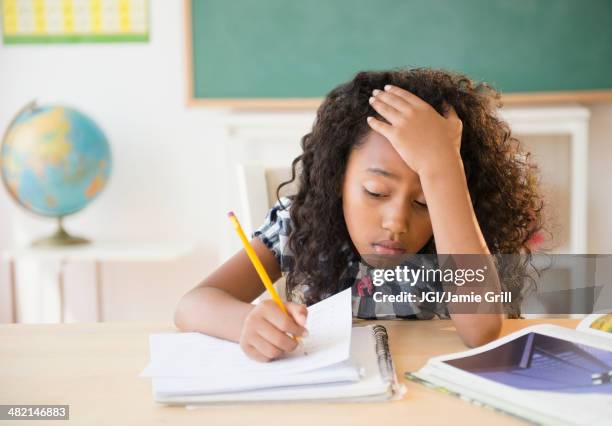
(97, 253)
(560, 126)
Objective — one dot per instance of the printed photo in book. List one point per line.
(544, 373)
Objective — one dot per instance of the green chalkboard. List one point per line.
(241, 50)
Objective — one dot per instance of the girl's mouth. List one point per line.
(388, 247)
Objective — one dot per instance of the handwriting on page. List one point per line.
(329, 322)
(199, 355)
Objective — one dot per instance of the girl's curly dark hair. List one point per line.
(501, 179)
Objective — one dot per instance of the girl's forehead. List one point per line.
(376, 152)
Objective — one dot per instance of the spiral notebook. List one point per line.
(340, 363)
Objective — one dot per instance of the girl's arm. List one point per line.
(430, 144)
(226, 294)
(221, 306)
(456, 230)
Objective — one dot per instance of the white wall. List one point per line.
(168, 180)
(167, 163)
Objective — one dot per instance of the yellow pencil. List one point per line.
(261, 271)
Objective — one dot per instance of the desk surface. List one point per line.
(94, 368)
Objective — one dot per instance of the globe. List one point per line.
(54, 161)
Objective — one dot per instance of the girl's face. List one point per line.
(383, 202)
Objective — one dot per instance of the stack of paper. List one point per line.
(184, 364)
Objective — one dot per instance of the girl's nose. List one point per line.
(396, 220)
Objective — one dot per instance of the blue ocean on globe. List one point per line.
(54, 160)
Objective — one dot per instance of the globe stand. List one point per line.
(60, 238)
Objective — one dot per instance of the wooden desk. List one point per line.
(94, 367)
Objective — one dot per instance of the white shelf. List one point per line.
(104, 251)
(97, 252)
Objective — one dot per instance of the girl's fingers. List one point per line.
(276, 337)
(394, 100)
(411, 98)
(387, 111)
(383, 128)
(284, 322)
(253, 353)
(298, 312)
(264, 347)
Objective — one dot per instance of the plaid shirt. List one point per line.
(274, 233)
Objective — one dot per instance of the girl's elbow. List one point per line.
(484, 336)
(178, 323)
(179, 316)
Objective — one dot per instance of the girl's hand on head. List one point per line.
(423, 138)
(264, 332)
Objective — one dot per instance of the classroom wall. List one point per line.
(164, 185)
(168, 178)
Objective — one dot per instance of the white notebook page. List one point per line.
(199, 355)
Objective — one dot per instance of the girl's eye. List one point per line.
(423, 205)
(374, 194)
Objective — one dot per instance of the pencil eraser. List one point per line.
(231, 214)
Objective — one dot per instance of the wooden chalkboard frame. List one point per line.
(528, 98)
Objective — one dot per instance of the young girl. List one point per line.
(397, 162)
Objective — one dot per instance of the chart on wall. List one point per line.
(74, 21)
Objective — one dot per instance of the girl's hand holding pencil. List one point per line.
(272, 328)
(264, 332)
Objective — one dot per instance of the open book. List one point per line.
(544, 373)
(336, 362)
